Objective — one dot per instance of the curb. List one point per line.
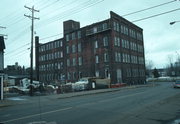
(105, 91)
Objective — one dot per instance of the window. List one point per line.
(96, 44)
(116, 41)
(68, 62)
(74, 62)
(116, 57)
(67, 37)
(132, 33)
(80, 61)
(73, 36)
(67, 49)
(73, 48)
(127, 44)
(119, 57)
(61, 64)
(106, 57)
(128, 72)
(80, 75)
(124, 29)
(124, 57)
(116, 26)
(52, 46)
(97, 73)
(79, 47)
(61, 54)
(123, 43)
(55, 44)
(97, 58)
(79, 34)
(68, 76)
(74, 75)
(105, 41)
(107, 74)
(61, 43)
(95, 30)
(104, 26)
(52, 54)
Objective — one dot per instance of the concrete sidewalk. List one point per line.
(27, 99)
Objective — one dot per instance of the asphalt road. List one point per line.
(146, 105)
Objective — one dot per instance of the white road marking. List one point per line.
(34, 115)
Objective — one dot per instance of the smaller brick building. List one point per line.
(112, 48)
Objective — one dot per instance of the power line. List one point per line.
(49, 5)
(156, 15)
(20, 53)
(149, 8)
(17, 49)
(50, 36)
(72, 11)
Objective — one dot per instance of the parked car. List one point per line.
(177, 84)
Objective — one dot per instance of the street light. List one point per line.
(171, 23)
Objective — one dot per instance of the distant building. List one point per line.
(13, 70)
(113, 48)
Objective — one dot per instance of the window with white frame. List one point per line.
(119, 56)
(61, 54)
(116, 41)
(106, 57)
(80, 60)
(116, 26)
(61, 43)
(97, 73)
(105, 41)
(96, 44)
(95, 30)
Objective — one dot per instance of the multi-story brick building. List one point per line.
(112, 48)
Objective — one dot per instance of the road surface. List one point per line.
(146, 105)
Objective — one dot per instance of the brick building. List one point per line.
(112, 48)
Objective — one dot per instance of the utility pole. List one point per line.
(32, 40)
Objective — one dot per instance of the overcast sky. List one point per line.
(161, 39)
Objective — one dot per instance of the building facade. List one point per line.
(113, 48)
(2, 47)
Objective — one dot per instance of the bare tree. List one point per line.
(149, 67)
